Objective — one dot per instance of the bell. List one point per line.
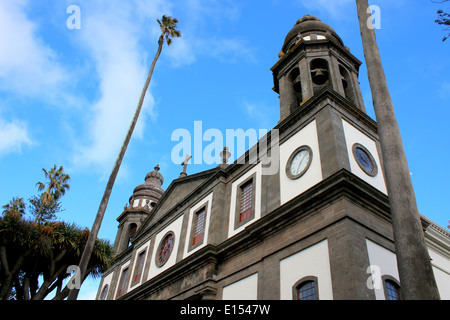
(344, 82)
(297, 84)
(319, 76)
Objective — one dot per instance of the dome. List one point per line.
(308, 25)
(154, 177)
(151, 189)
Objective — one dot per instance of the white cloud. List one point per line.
(262, 114)
(181, 52)
(229, 50)
(185, 50)
(117, 38)
(197, 38)
(13, 136)
(112, 38)
(27, 65)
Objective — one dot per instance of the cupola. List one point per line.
(144, 198)
(313, 57)
(146, 195)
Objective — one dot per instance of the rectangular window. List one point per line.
(123, 281)
(245, 203)
(139, 267)
(199, 225)
(246, 198)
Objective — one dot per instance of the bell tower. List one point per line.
(313, 56)
(144, 198)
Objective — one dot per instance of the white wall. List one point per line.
(245, 289)
(354, 135)
(106, 281)
(292, 188)
(312, 261)
(231, 223)
(384, 262)
(441, 270)
(175, 227)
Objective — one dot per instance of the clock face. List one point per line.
(365, 160)
(299, 162)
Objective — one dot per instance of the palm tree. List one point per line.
(168, 27)
(15, 205)
(414, 266)
(34, 257)
(56, 187)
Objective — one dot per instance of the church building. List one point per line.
(317, 228)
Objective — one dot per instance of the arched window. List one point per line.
(319, 73)
(347, 84)
(139, 267)
(391, 288)
(291, 46)
(306, 289)
(198, 226)
(294, 78)
(246, 191)
(122, 282)
(104, 292)
(131, 232)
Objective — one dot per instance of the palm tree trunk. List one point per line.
(41, 208)
(103, 204)
(26, 287)
(414, 266)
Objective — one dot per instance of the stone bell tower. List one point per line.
(144, 198)
(313, 56)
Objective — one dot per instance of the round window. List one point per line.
(365, 160)
(165, 249)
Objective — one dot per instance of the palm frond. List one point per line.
(40, 186)
(168, 27)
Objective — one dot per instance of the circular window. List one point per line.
(165, 249)
(299, 162)
(365, 160)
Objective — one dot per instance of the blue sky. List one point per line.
(67, 96)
